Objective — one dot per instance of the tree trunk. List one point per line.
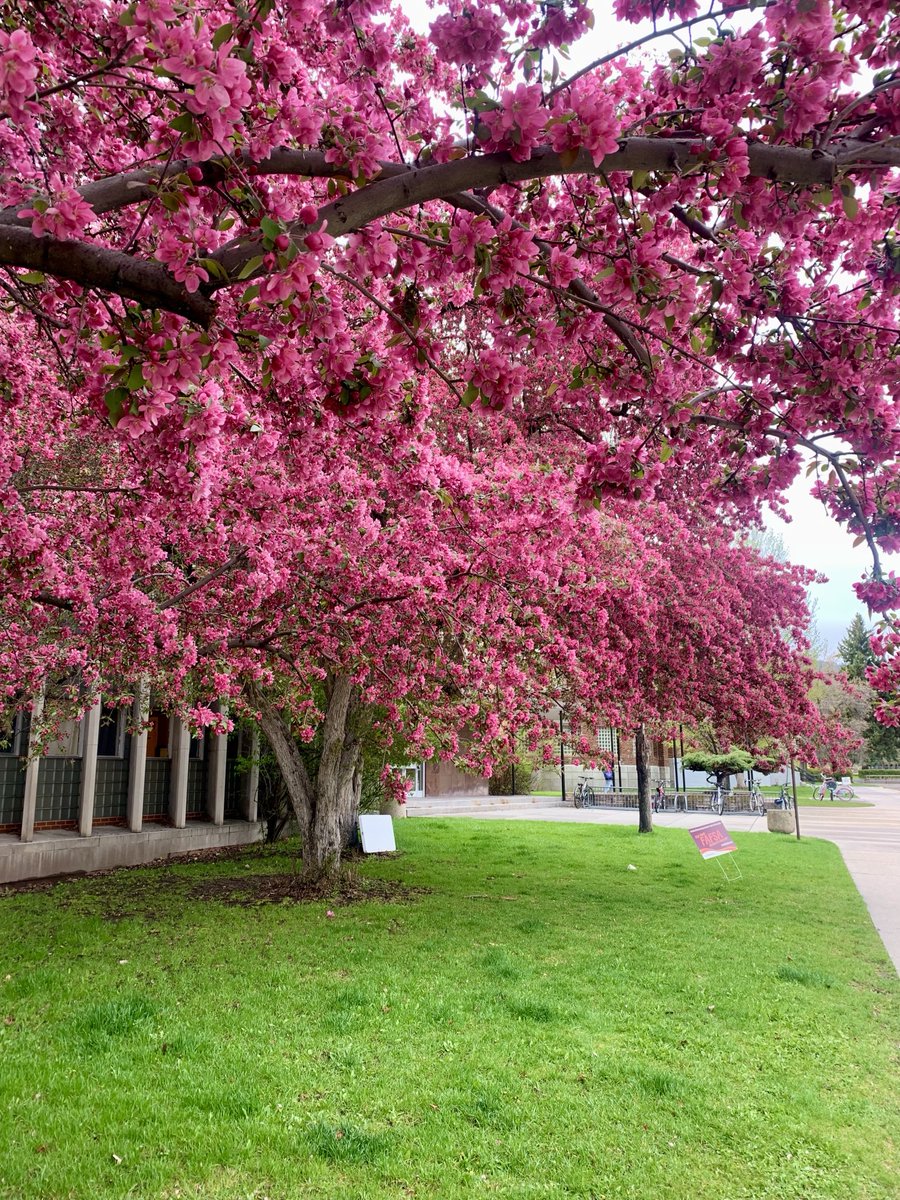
(642, 760)
(326, 806)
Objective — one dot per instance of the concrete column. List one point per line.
(216, 755)
(179, 750)
(90, 737)
(32, 770)
(137, 765)
(251, 779)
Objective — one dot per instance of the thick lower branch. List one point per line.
(93, 266)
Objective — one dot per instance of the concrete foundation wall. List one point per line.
(61, 853)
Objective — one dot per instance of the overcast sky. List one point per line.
(813, 539)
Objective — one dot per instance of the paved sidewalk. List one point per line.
(868, 838)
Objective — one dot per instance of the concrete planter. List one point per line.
(391, 808)
(780, 820)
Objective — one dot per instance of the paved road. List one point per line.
(868, 838)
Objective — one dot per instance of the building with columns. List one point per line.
(100, 797)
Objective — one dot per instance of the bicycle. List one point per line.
(715, 799)
(757, 800)
(782, 800)
(832, 790)
(660, 802)
(585, 796)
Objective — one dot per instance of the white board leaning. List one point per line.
(377, 833)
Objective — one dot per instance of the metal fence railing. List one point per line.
(697, 800)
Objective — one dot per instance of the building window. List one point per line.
(414, 774)
(606, 740)
(11, 736)
(69, 741)
(158, 735)
(111, 736)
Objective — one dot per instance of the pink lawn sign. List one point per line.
(713, 840)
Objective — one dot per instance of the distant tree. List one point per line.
(769, 542)
(854, 650)
(845, 706)
(882, 742)
(722, 766)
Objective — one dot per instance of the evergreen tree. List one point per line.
(854, 649)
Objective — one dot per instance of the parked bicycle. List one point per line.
(715, 799)
(830, 789)
(661, 800)
(757, 800)
(585, 796)
(783, 800)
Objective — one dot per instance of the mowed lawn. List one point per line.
(541, 1022)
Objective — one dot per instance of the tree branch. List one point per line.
(226, 566)
(90, 265)
(397, 187)
(419, 185)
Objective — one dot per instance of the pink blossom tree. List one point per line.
(435, 578)
(288, 275)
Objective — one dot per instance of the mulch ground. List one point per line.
(47, 882)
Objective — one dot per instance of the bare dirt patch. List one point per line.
(348, 888)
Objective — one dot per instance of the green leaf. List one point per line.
(666, 451)
(270, 229)
(470, 395)
(222, 34)
(115, 401)
(740, 220)
(183, 123)
(639, 179)
(824, 196)
(850, 204)
(482, 102)
(214, 268)
(32, 277)
(136, 377)
(250, 266)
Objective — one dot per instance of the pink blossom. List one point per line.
(18, 72)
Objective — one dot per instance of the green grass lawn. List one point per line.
(542, 1022)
